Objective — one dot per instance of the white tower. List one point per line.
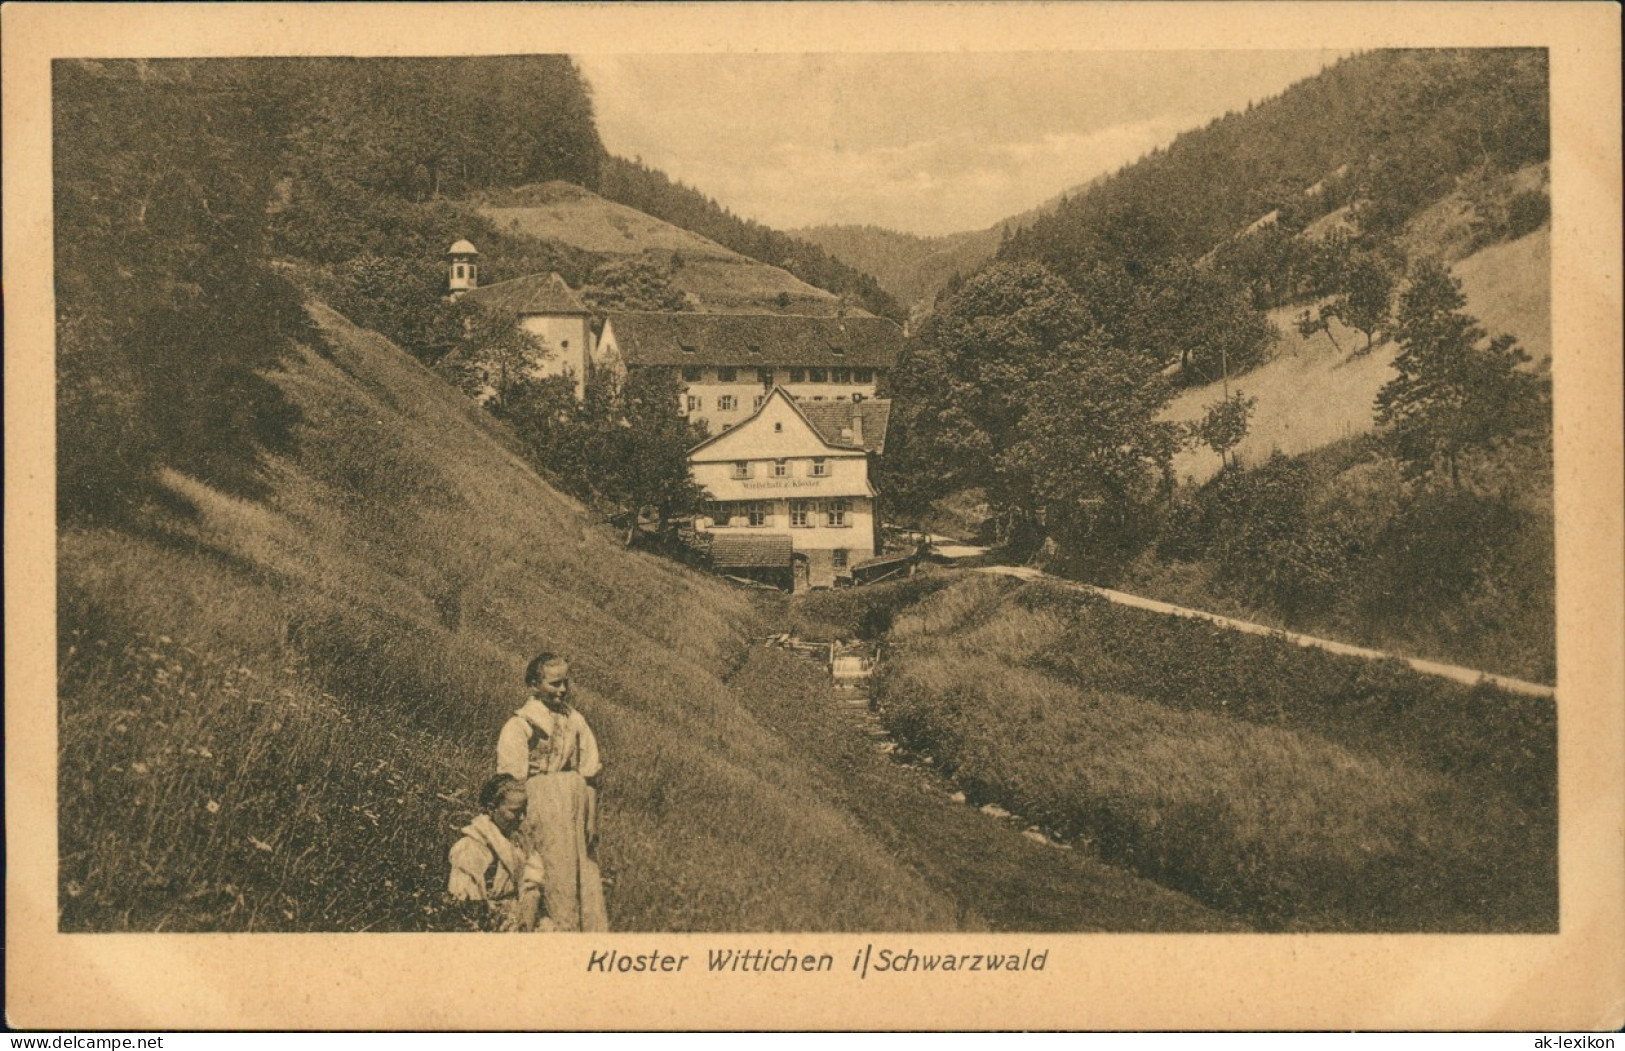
(465, 268)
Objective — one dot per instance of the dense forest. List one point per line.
(650, 191)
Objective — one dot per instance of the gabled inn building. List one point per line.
(791, 501)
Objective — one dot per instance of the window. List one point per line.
(820, 468)
(841, 375)
(863, 375)
(781, 468)
(764, 377)
(761, 398)
(836, 509)
(798, 375)
(727, 375)
(758, 514)
(837, 351)
(755, 348)
(801, 514)
(817, 375)
(689, 348)
(741, 469)
(837, 558)
(726, 402)
(721, 514)
(694, 403)
(778, 428)
(459, 270)
(692, 373)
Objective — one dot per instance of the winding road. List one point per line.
(1470, 676)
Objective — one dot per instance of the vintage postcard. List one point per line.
(814, 516)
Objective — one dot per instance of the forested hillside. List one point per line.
(914, 269)
(910, 268)
(1391, 129)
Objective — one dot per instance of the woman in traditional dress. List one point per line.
(486, 865)
(549, 746)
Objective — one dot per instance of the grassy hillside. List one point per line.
(1320, 389)
(1302, 790)
(274, 712)
(713, 277)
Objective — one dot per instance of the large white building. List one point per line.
(730, 362)
(550, 311)
(790, 497)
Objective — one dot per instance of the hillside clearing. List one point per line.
(1320, 389)
(714, 278)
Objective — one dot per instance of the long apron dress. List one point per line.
(555, 754)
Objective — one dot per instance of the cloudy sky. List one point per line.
(924, 143)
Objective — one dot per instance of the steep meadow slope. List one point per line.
(274, 714)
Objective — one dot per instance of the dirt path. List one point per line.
(1470, 676)
(1001, 878)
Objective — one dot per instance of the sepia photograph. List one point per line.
(529, 496)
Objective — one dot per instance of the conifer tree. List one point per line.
(1454, 392)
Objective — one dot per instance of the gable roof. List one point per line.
(532, 294)
(655, 338)
(777, 394)
(729, 551)
(831, 418)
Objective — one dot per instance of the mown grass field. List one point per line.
(274, 715)
(1293, 788)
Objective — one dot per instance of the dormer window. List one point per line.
(755, 348)
(838, 351)
(817, 375)
(689, 348)
(726, 375)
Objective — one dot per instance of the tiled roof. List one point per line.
(533, 294)
(731, 551)
(833, 421)
(650, 338)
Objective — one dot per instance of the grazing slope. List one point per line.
(714, 278)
